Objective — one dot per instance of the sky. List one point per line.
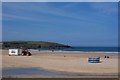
(71, 23)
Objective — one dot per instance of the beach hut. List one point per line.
(94, 60)
(14, 52)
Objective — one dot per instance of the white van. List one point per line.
(14, 52)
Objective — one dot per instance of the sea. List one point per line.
(85, 49)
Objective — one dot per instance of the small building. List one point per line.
(14, 52)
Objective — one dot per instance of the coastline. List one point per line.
(72, 51)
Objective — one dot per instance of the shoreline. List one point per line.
(74, 51)
(34, 50)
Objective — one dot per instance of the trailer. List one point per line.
(17, 52)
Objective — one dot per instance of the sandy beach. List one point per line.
(64, 62)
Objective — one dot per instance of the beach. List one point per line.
(63, 62)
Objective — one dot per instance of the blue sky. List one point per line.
(71, 23)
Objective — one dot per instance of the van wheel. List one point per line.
(27, 54)
(22, 54)
(30, 54)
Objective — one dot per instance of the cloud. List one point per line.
(45, 8)
(20, 17)
(106, 8)
(71, 5)
(38, 8)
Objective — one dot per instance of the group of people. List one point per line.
(107, 56)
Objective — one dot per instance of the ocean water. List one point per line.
(87, 49)
(34, 71)
(93, 49)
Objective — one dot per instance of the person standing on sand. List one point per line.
(39, 47)
(52, 50)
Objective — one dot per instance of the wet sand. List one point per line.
(65, 62)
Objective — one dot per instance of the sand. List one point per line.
(66, 62)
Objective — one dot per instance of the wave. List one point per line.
(72, 51)
(90, 51)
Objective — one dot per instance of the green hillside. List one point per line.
(33, 44)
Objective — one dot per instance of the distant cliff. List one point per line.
(33, 45)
